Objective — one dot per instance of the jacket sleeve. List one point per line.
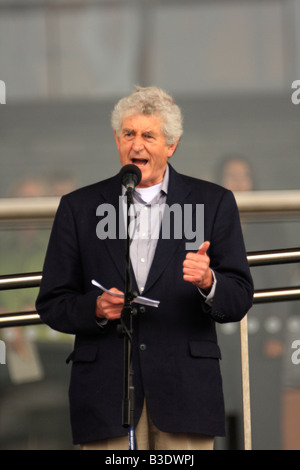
(234, 289)
(62, 302)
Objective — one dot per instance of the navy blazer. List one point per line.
(175, 349)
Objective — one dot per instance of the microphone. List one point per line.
(130, 176)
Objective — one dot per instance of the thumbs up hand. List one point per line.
(196, 268)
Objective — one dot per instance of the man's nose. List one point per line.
(138, 144)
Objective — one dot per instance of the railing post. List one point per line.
(246, 383)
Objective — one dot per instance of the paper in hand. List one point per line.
(137, 300)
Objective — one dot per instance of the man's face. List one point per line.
(142, 143)
(237, 176)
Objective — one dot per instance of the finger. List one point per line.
(190, 262)
(193, 274)
(203, 248)
(191, 257)
(201, 251)
(188, 278)
(108, 310)
(191, 278)
(195, 261)
(112, 314)
(107, 299)
(113, 298)
(114, 290)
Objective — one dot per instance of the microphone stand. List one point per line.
(126, 331)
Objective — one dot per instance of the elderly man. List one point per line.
(175, 354)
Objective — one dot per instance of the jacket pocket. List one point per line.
(206, 349)
(83, 353)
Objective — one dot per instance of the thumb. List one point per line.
(203, 248)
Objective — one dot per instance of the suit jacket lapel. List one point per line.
(112, 193)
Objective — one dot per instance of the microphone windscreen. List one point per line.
(130, 171)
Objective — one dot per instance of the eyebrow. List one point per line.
(126, 130)
(132, 131)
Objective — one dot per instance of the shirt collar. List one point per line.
(165, 182)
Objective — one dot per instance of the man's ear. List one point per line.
(172, 148)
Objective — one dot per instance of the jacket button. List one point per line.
(219, 315)
(142, 309)
(143, 347)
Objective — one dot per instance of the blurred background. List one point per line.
(230, 66)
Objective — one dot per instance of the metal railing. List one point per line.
(263, 258)
(250, 204)
(272, 257)
(283, 204)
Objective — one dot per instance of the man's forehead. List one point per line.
(142, 122)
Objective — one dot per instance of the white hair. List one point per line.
(150, 101)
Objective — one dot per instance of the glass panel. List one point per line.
(33, 375)
(223, 47)
(34, 390)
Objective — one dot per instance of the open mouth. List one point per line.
(140, 162)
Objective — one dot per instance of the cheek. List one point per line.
(124, 150)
